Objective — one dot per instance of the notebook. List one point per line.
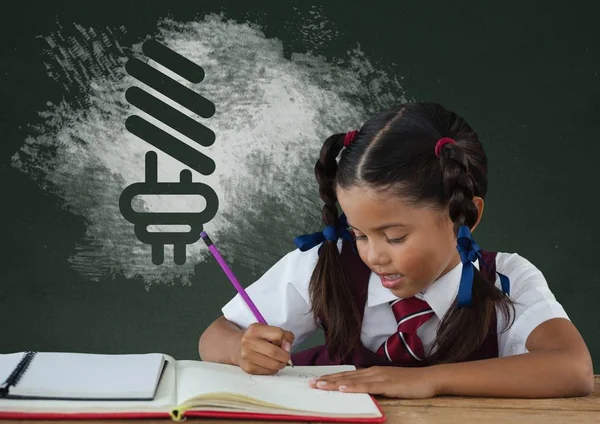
(63, 385)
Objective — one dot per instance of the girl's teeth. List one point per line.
(392, 277)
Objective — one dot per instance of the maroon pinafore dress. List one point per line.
(362, 357)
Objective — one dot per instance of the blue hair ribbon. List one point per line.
(331, 233)
(469, 252)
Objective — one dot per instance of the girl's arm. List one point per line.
(558, 365)
(260, 349)
(220, 342)
(280, 295)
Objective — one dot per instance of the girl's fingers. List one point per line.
(346, 374)
(270, 351)
(372, 387)
(364, 373)
(257, 359)
(352, 381)
(258, 370)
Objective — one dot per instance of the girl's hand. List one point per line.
(264, 349)
(398, 382)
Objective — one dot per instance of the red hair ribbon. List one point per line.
(349, 138)
(441, 142)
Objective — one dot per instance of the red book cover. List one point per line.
(191, 413)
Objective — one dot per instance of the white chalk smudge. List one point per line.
(313, 28)
(272, 115)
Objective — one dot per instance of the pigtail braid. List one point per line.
(329, 288)
(462, 330)
(458, 187)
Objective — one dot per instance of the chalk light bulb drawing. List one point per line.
(173, 147)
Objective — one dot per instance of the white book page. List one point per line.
(164, 400)
(287, 389)
(90, 376)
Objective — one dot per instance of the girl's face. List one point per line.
(409, 247)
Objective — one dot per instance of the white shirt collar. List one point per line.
(439, 295)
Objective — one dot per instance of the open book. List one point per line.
(55, 385)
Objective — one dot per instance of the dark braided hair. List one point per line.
(329, 284)
(395, 150)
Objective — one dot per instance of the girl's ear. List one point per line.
(479, 204)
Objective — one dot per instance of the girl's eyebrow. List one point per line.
(382, 227)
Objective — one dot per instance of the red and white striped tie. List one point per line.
(404, 346)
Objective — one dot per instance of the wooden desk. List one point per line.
(445, 410)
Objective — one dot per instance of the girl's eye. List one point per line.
(397, 240)
(356, 237)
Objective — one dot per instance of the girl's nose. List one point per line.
(377, 255)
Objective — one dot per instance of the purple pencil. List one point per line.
(215, 252)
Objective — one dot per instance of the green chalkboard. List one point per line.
(282, 76)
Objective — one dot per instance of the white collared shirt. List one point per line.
(282, 297)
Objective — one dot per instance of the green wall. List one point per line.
(526, 75)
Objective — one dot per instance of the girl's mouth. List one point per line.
(391, 281)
